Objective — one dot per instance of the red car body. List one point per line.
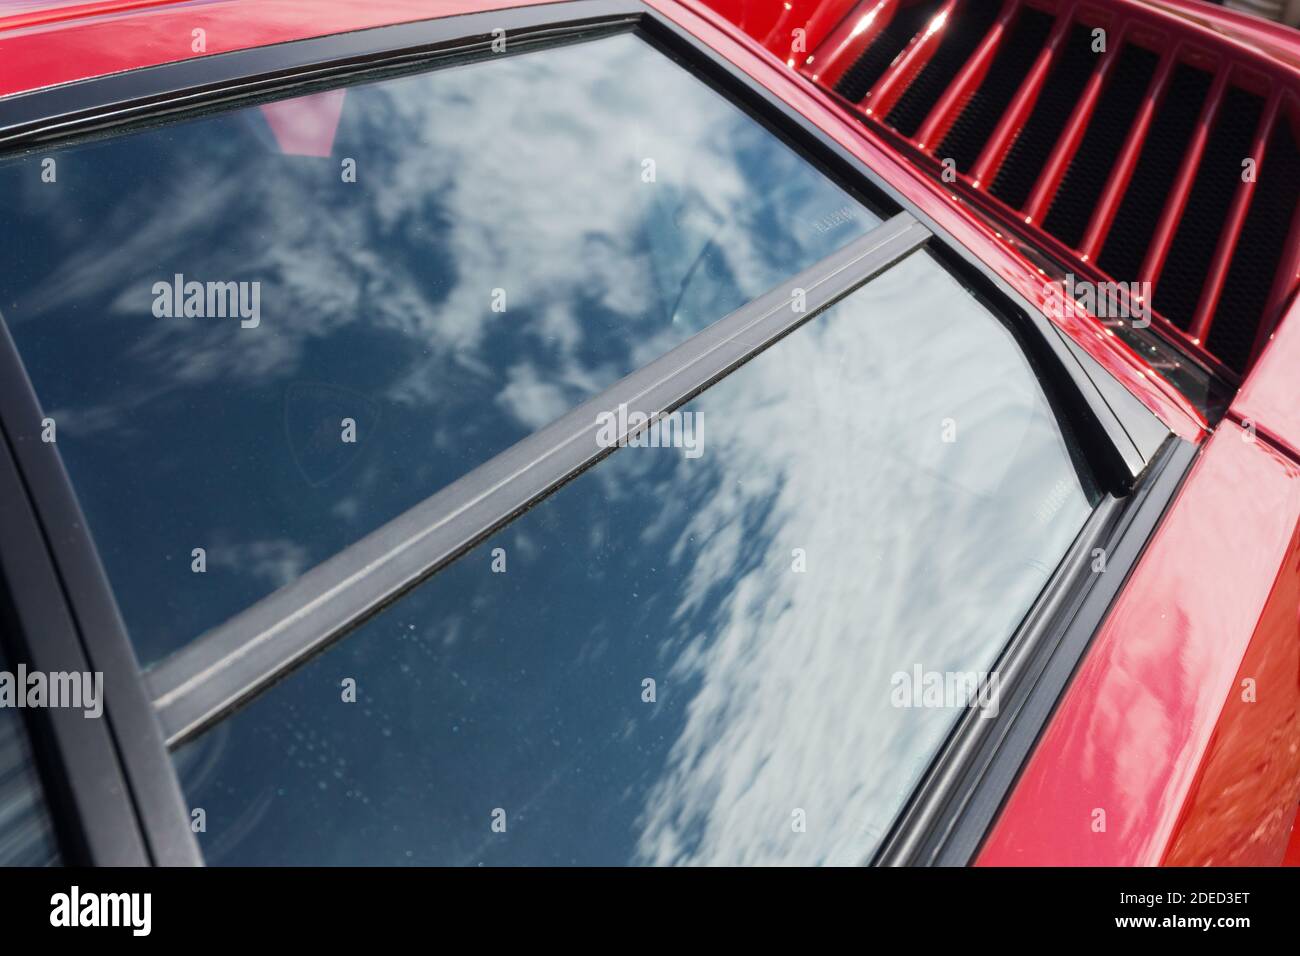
(1156, 727)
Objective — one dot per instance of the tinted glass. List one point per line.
(520, 233)
(26, 833)
(885, 489)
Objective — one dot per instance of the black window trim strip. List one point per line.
(115, 769)
(77, 761)
(29, 120)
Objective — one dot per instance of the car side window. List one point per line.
(310, 315)
(719, 650)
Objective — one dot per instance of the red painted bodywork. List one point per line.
(62, 44)
(1154, 732)
(1269, 398)
(1153, 729)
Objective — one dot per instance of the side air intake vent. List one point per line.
(1120, 139)
(1072, 64)
(973, 127)
(1263, 239)
(965, 27)
(1166, 144)
(891, 41)
(1217, 177)
(1085, 178)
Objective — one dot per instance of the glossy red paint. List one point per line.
(1270, 398)
(73, 43)
(773, 24)
(1268, 39)
(1292, 857)
(57, 11)
(1155, 730)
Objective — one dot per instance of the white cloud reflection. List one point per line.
(914, 556)
(521, 173)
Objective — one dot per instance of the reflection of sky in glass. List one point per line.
(523, 690)
(523, 174)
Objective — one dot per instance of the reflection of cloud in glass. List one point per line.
(524, 174)
(914, 555)
(278, 562)
(460, 166)
(523, 689)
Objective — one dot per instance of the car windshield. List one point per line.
(259, 335)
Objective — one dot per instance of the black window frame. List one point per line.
(111, 783)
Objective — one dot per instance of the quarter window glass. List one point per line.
(877, 499)
(397, 281)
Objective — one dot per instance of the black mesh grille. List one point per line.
(1275, 201)
(1016, 54)
(1216, 183)
(965, 29)
(1259, 250)
(1065, 81)
(1108, 129)
(1162, 154)
(888, 43)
